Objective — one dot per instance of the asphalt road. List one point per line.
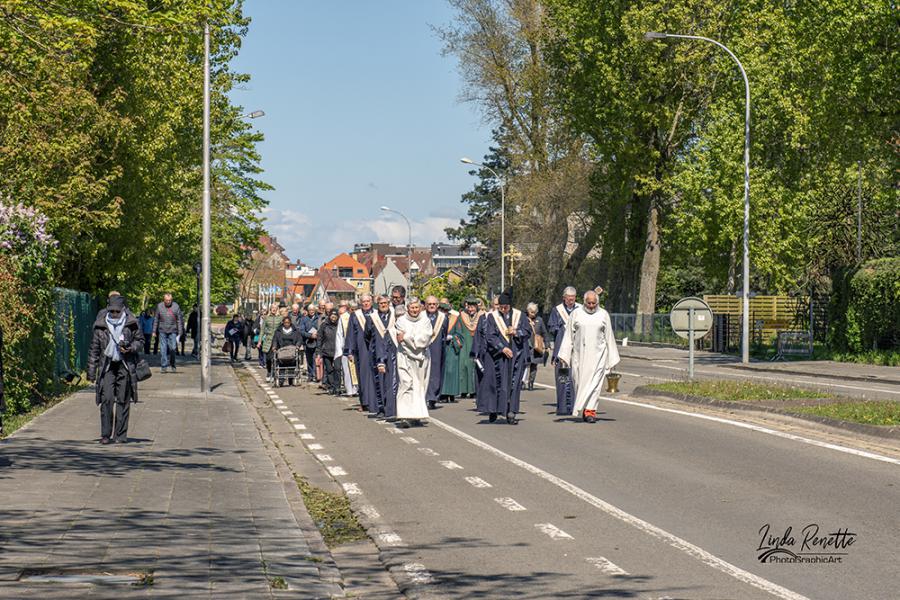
(643, 504)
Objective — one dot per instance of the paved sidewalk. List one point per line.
(810, 368)
(193, 501)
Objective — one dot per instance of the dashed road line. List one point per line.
(674, 541)
(293, 419)
(449, 464)
(410, 440)
(307, 436)
(428, 452)
(352, 489)
(509, 504)
(606, 566)
(389, 538)
(316, 447)
(299, 426)
(337, 471)
(418, 573)
(553, 531)
(369, 511)
(478, 482)
(324, 457)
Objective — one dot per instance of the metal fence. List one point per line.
(645, 328)
(72, 329)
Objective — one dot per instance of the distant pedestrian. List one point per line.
(538, 342)
(266, 337)
(146, 323)
(168, 327)
(285, 336)
(234, 333)
(116, 342)
(309, 327)
(249, 322)
(326, 350)
(193, 328)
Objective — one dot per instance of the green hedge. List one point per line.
(865, 311)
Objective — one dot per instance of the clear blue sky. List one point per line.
(361, 111)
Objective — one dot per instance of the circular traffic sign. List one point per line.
(680, 317)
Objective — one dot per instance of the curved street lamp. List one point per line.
(500, 180)
(408, 247)
(745, 321)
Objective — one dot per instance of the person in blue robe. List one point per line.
(507, 338)
(356, 346)
(556, 326)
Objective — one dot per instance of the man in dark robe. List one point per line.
(439, 326)
(556, 326)
(383, 346)
(452, 353)
(356, 347)
(485, 382)
(508, 341)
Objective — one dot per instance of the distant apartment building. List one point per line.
(453, 256)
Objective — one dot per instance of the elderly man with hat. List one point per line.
(508, 342)
(116, 343)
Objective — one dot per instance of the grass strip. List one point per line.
(332, 515)
(870, 412)
(738, 391)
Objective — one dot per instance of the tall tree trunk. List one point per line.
(649, 269)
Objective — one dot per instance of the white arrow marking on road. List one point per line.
(369, 511)
(509, 504)
(450, 464)
(553, 531)
(299, 426)
(478, 482)
(307, 436)
(418, 573)
(352, 489)
(410, 440)
(428, 451)
(781, 434)
(315, 447)
(606, 566)
(657, 532)
(337, 471)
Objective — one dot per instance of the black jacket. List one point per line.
(327, 340)
(98, 362)
(283, 339)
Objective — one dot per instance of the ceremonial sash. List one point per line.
(345, 321)
(379, 326)
(561, 309)
(361, 317)
(470, 323)
(501, 325)
(454, 317)
(438, 323)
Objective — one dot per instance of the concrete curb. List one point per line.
(808, 374)
(892, 433)
(391, 557)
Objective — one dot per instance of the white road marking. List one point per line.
(369, 511)
(307, 436)
(277, 402)
(394, 430)
(315, 447)
(299, 426)
(337, 471)
(676, 542)
(509, 504)
(553, 531)
(760, 429)
(808, 381)
(389, 538)
(450, 464)
(324, 457)
(293, 419)
(418, 573)
(478, 482)
(287, 412)
(606, 566)
(428, 451)
(352, 489)
(410, 440)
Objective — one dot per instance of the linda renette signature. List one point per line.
(811, 540)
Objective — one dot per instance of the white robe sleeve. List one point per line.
(565, 346)
(612, 351)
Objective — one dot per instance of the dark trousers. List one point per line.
(235, 347)
(311, 362)
(156, 344)
(270, 356)
(532, 373)
(331, 375)
(147, 339)
(262, 357)
(113, 393)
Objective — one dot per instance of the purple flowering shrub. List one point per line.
(27, 260)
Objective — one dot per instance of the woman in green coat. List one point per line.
(266, 334)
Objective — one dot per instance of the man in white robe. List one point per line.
(589, 350)
(413, 332)
(345, 357)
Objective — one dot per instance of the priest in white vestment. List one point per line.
(413, 333)
(589, 350)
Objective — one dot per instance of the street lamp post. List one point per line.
(205, 342)
(499, 179)
(745, 324)
(408, 248)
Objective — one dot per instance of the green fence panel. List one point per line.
(75, 313)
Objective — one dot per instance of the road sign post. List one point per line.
(691, 318)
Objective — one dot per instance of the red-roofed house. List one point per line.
(350, 270)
